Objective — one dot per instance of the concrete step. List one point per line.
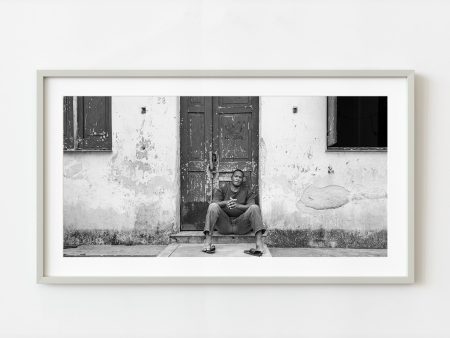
(222, 250)
(197, 237)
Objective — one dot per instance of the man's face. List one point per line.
(237, 178)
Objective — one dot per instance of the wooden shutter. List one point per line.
(94, 123)
(68, 122)
(331, 121)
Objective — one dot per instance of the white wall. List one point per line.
(136, 185)
(348, 189)
(322, 34)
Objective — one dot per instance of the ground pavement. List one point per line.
(222, 250)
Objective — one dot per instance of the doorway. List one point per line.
(218, 135)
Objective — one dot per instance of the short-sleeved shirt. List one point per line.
(244, 196)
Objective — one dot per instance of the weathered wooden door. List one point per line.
(218, 135)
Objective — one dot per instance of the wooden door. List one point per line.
(218, 135)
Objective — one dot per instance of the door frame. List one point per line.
(255, 137)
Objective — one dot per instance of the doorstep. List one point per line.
(222, 250)
(197, 237)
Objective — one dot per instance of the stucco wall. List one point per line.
(136, 185)
(302, 185)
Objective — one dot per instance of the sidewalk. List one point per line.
(222, 250)
(327, 252)
(114, 251)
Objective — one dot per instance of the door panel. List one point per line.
(219, 133)
(227, 101)
(235, 138)
(196, 136)
(196, 142)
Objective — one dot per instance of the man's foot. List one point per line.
(208, 247)
(259, 250)
(254, 252)
(259, 242)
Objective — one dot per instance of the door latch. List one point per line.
(212, 161)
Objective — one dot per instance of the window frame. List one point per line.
(343, 149)
(74, 126)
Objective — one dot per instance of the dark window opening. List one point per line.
(87, 123)
(357, 123)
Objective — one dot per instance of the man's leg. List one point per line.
(215, 218)
(259, 241)
(252, 219)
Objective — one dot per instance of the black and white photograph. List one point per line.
(225, 176)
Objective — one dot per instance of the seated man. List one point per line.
(233, 211)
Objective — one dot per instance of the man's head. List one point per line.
(237, 177)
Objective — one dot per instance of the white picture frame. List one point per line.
(234, 271)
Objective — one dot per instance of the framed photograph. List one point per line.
(215, 176)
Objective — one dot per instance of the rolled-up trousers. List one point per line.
(218, 219)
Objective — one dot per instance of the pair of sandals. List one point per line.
(210, 249)
(253, 252)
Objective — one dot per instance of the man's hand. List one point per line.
(231, 203)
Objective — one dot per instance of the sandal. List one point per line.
(210, 250)
(254, 252)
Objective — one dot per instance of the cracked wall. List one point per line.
(303, 186)
(136, 185)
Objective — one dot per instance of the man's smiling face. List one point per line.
(237, 179)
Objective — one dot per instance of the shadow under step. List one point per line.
(198, 237)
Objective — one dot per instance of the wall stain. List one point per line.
(330, 170)
(74, 170)
(143, 147)
(309, 154)
(146, 216)
(370, 196)
(329, 197)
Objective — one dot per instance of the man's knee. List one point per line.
(254, 208)
(213, 207)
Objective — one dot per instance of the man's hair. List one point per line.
(237, 170)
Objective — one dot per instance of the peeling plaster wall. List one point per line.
(135, 186)
(302, 185)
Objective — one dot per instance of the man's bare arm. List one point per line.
(250, 201)
(231, 203)
(239, 206)
(222, 204)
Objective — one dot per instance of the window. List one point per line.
(87, 123)
(357, 123)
